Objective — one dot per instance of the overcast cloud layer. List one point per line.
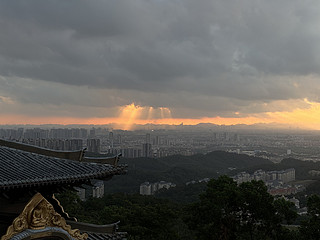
(199, 58)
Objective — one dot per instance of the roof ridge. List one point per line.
(71, 155)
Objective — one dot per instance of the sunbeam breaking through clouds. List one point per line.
(133, 113)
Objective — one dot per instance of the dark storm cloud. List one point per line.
(180, 50)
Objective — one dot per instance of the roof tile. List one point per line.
(20, 168)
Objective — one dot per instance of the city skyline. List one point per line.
(160, 62)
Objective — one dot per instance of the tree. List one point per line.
(246, 211)
(257, 209)
(286, 210)
(216, 215)
(143, 217)
(310, 229)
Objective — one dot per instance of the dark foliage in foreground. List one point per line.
(247, 211)
(224, 210)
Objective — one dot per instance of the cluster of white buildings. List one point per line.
(147, 188)
(276, 181)
(284, 176)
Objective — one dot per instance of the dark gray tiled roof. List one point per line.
(107, 236)
(24, 169)
(99, 232)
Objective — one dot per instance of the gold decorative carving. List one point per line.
(62, 209)
(38, 214)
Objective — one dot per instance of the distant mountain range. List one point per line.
(182, 127)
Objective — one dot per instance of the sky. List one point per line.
(160, 61)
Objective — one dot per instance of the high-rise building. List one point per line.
(111, 139)
(75, 133)
(83, 133)
(148, 138)
(147, 150)
(93, 145)
(73, 144)
(92, 133)
(156, 141)
(119, 139)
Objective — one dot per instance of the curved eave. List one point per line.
(94, 228)
(71, 155)
(50, 181)
(103, 160)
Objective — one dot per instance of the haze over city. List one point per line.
(159, 119)
(160, 62)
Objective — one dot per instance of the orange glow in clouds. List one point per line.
(134, 114)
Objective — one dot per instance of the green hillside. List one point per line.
(179, 169)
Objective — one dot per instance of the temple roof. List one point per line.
(106, 236)
(21, 169)
(25, 169)
(99, 232)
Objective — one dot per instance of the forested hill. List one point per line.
(179, 169)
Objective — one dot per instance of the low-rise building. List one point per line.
(147, 188)
(285, 176)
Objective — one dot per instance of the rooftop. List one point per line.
(26, 170)
(21, 169)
